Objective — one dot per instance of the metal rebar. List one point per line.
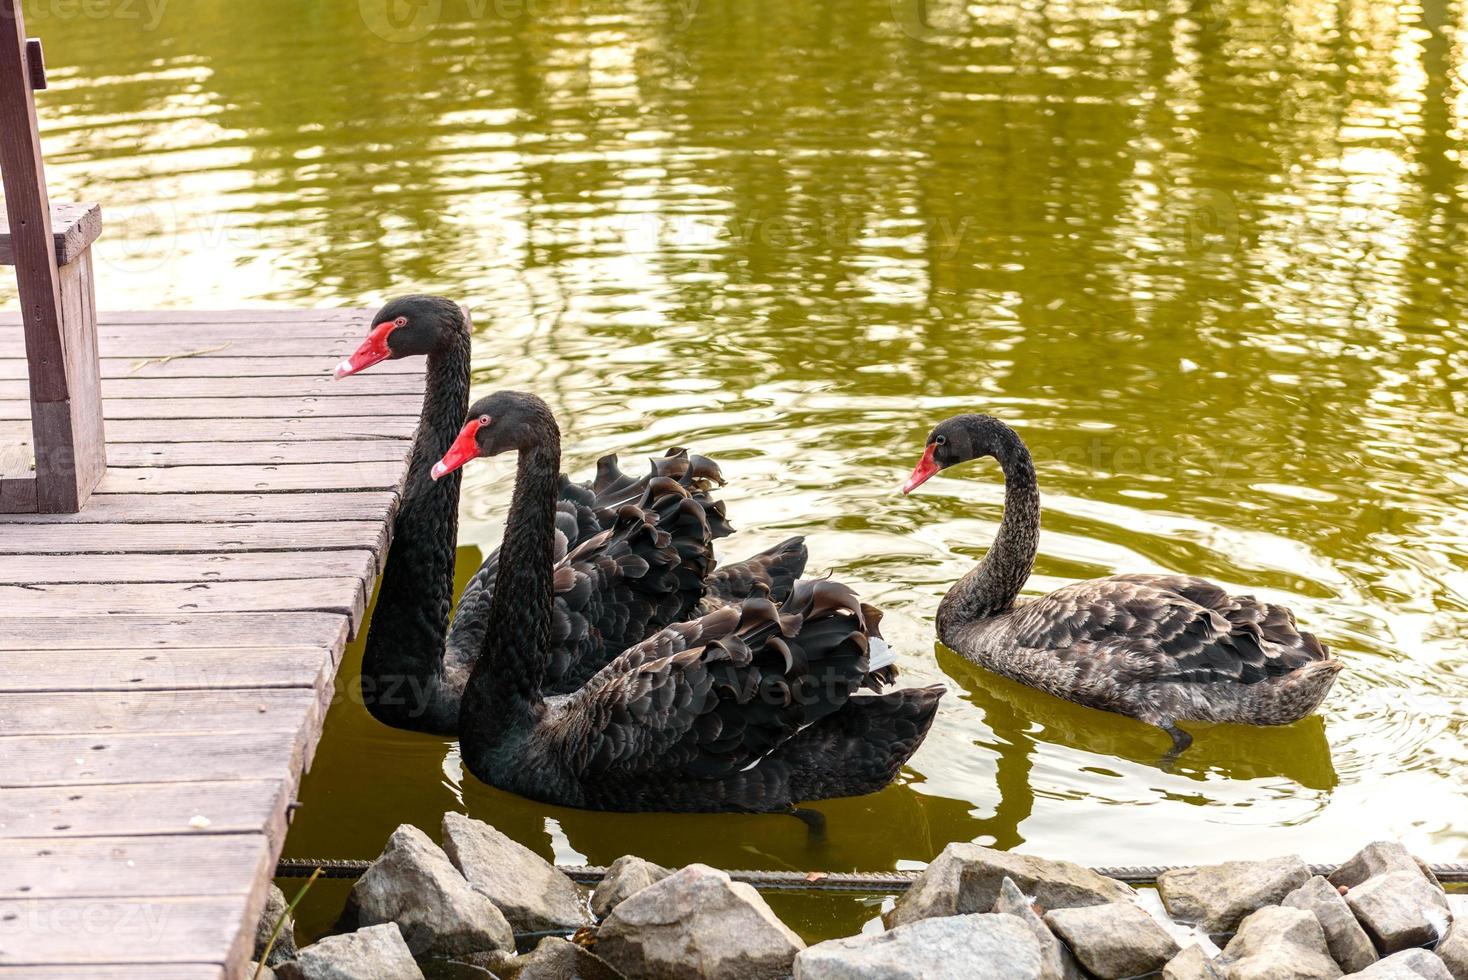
(875, 882)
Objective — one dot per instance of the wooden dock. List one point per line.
(167, 655)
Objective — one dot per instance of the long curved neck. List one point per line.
(402, 666)
(991, 587)
(503, 697)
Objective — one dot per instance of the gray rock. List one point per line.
(959, 947)
(1278, 943)
(1454, 949)
(553, 959)
(1191, 964)
(1400, 910)
(1412, 964)
(1113, 941)
(254, 971)
(1056, 962)
(415, 885)
(1217, 897)
(1348, 943)
(527, 889)
(1374, 860)
(375, 953)
(627, 876)
(966, 878)
(699, 925)
(285, 944)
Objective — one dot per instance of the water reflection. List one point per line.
(1207, 255)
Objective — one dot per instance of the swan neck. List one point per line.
(402, 663)
(992, 586)
(505, 688)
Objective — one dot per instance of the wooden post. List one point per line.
(58, 306)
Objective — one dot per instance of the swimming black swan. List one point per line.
(754, 707)
(1159, 648)
(416, 662)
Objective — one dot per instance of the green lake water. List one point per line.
(1208, 257)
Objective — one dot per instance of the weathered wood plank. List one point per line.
(132, 867)
(227, 508)
(117, 632)
(93, 760)
(275, 429)
(218, 366)
(338, 595)
(190, 668)
(259, 453)
(146, 809)
(134, 712)
(286, 386)
(74, 227)
(116, 971)
(268, 478)
(20, 538)
(310, 406)
(238, 567)
(202, 341)
(142, 930)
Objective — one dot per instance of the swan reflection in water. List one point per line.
(1022, 718)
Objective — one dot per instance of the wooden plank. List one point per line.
(195, 429)
(73, 226)
(259, 453)
(227, 508)
(138, 930)
(217, 668)
(223, 567)
(325, 314)
(117, 971)
(63, 485)
(311, 406)
(146, 809)
(202, 341)
(338, 595)
(29, 216)
(133, 712)
(320, 364)
(132, 867)
(289, 386)
(79, 539)
(242, 630)
(269, 478)
(93, 760)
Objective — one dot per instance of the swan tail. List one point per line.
(862, 747)
(775, 570)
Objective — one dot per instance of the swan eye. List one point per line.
(484, 420)
(941, 441)
(401, 321)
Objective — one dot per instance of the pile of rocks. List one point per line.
(974, 913)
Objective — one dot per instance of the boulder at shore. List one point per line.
(697, 924)
(957, 947)
(966, 878)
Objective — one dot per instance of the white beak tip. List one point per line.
(438, 470)
(343, 369)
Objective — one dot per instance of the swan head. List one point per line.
(958, 440)
(503, 422)
(405, 327)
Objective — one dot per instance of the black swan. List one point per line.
(753, 707)
(416, 661)
(1159, 648)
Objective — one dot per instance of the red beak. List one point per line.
(922, 472)
(373, 349)
(465, 448)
